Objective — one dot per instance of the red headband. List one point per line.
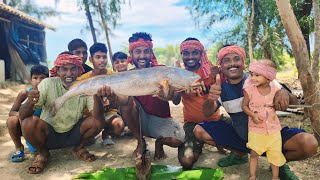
(142, 42)
(227, 50)
(263, 69)
(204, 62)
(232, 49)
(64, 59)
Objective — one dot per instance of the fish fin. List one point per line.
(165, 84)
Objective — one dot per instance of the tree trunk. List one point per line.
(89, 17)
(105, 26)
(249, 27)
(302, 59)
(315, 62)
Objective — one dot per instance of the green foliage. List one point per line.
(168, 55)
(213, 52)
(29, 7)
(269, 39)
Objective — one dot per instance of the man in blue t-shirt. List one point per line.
(297, 144)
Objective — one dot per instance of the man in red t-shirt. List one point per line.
(147, 115)
(195, 59)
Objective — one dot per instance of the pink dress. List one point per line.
(271, 123)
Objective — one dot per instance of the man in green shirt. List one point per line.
(67, 127)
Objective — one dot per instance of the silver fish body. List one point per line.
(133, 83)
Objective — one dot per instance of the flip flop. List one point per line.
(31, 148)
(18, 156)
(107, 142)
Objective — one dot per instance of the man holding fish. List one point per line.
(195, 59)
(150, 115)
(67, 127)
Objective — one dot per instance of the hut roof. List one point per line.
(23, 16)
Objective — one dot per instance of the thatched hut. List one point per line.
(22, 43)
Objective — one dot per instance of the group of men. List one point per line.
(81, 118)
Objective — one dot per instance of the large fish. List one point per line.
(133, 83)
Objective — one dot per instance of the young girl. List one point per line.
(264, 125)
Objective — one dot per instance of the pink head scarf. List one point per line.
(263, 69)
(205, 64)
(142, 42)
(64, 59)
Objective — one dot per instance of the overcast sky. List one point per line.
(168, 21)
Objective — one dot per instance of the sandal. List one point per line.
(84, 155)
(31, 148)
(17, 156)
(107, 142)
(37, 165)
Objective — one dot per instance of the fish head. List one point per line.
(182, 79)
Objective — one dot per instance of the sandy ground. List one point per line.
(63, 165)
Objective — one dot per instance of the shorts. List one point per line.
(158, 127)
(224, 134)
(57, 140)
(191, 143)
(271, 144)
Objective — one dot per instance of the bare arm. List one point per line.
(246, 109)
(209, 107)
(14, 111)
(283, 98)
(26, 110)
(245, 104)
(97, 111)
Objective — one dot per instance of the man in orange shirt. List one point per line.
(195, 59)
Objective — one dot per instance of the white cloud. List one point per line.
(153, 12)
(167, 23)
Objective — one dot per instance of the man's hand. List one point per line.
(161, 94)
(106, 91)
(215, 90)
(281, 100)
(214, 71)
(33, 96)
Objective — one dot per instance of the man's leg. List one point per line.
(114, 126)
(300, 146)
(35, 131)
(166, 131)
(130, 114)
(297, 145)
(190, 150)
(118, 125)
(222, 134)
(90, 127)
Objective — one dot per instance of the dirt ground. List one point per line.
(63, 165)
